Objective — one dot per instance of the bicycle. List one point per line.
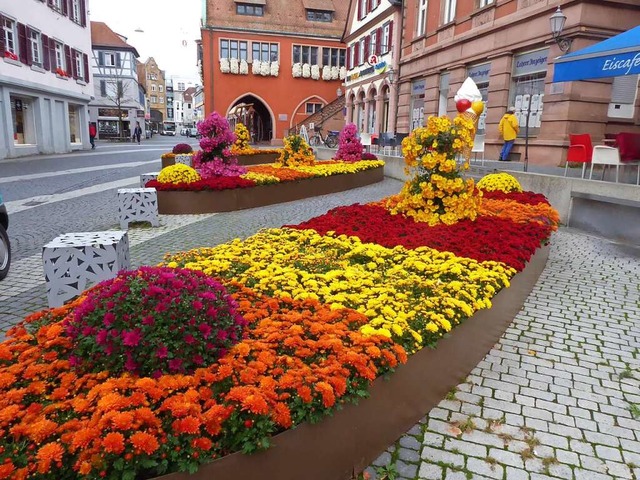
(331, 140)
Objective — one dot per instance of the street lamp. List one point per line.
(557, 21)
(391, 75)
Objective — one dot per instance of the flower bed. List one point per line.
(225, 194)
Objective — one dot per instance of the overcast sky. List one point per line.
(170, 28)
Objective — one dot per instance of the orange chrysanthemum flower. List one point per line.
(83, 438)
(6, 469)
(113, 443)
(47, 454)
(203, 443)
(122, 420)
(40, 430)
(144, 442)
(190, 425)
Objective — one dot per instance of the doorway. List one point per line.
(254, 115)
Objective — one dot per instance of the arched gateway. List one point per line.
(253, 113)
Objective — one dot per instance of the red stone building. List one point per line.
(508, 48)
(274, 62)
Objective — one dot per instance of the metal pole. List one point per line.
(526, 141)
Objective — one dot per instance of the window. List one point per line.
(386, 38)
(527, 88)
(247, 9)
(230, 49)
(333, 57)
(9, 34)
(180, 86)
(35, 47)
(305, 54)
(24, 132)
(153, 87)
(312, 107)
(59, 49)
(422, 17)
(264, 52)
(362, 8)
(74, 124)
(449, 11)
(188, 106)
(361, 52)
(352, 55)
(77, 59)
(160, 88)
(161, 99)
(109, 59)
(319, 16)
(75, 10)
(484, 3)
(373, 42)
(57, 5)
(154, 99)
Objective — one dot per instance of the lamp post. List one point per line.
(557, 22)
(392, 77)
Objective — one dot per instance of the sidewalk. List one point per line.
(555, 398)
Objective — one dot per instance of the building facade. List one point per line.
(156, 93)
(272, 62)
(117, 106)
(507, 47)
(372, 61)
(45, 80)
(179, 85)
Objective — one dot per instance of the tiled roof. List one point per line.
(286, 16)
(103, 36)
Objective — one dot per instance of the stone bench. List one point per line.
(137, 205)
(146, 177)
(73, 261)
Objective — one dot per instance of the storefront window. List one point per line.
(108, 128)
(23, 124)
(372, 113)
(444, 94)
(385, 111)
(74, 125)
(417, 103)
(527, 89)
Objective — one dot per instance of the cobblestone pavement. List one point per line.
(557, 397)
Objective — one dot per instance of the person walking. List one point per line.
(92, 135)
(509, 129)
(137, 132)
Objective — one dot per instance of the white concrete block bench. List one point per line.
(73, 261)
(185, 159)
(146, 177)
(137, 205)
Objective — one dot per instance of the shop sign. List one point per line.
(531, 62)
(112, 112)
(418, 87)
(140, 113)
(361, 73)
(479, 73)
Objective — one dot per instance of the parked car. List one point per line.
(193, 132)
(5, 246)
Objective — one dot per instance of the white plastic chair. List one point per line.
(478, 147)
(605, 156)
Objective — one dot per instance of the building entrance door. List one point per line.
(253, 114)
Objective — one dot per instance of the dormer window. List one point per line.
(319, 16)
(319, 10)
(254, 8)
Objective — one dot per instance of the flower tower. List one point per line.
(296, 152)
(241, 144)
(350, 148)
(436, 191)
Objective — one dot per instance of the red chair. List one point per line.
(580, 151)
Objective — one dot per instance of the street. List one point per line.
(53, 194)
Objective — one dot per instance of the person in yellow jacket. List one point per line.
(509, 128)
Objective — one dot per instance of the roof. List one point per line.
(103, 36)
(285, 16)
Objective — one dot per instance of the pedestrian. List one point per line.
(509, 128)
(92, 135)
(137, 132)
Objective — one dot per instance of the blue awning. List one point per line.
(614, 57)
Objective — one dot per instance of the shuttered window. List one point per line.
(624, 91)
